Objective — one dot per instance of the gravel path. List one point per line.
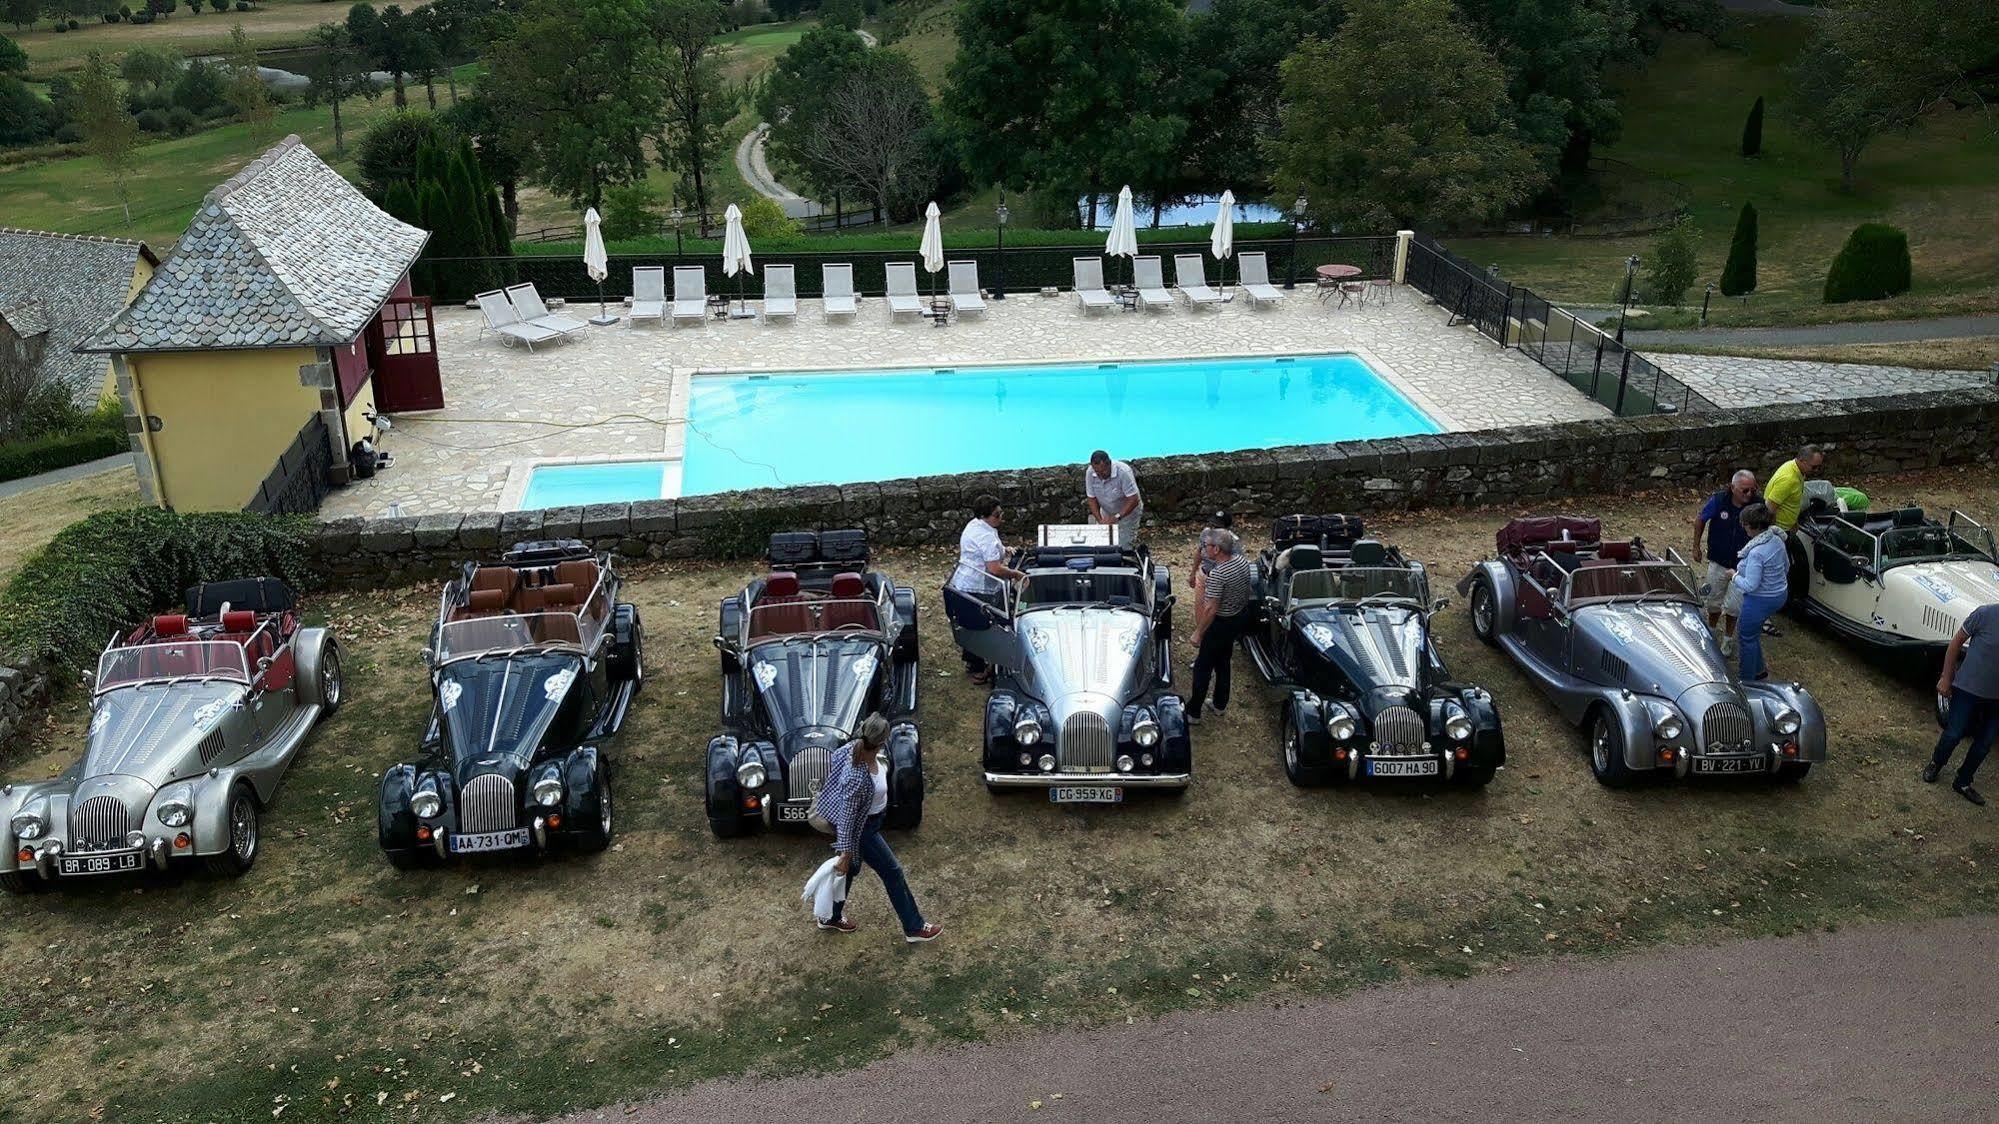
(58, 475)
(1876, 1023)
(1877, 331)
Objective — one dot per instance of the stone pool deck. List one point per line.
(619, 392)
(1736, 380)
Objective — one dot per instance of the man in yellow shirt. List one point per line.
(1786, 491)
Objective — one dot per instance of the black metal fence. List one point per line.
(1022, 269)
(302, 476)
(1515, 316)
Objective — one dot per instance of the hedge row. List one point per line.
(58, 450)
(103, 573)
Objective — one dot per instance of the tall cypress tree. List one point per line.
(401, 202)
(1738, 276)
(1752, 130)
(471, 229)
(434, 209)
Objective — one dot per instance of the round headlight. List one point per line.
(27, 825)
(1145, 732)
(1026, 759)
(1027, 731)
(1047, 762)
(426, 805)
(1341, 728)
(1670, 728)
(548, 792)
(173, 813)
(1787, 721)
(1145, 759)
(750, 774)
(1124, 763)
(1457, 727)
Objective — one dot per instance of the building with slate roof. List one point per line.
(57, 289)
(258, 340)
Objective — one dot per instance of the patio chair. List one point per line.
(1190, 276)
(1255, 269)
(690, 293)
(1090, 291)
(836, 283)
(527, 299)
(648, 294)
(780, 292)
(902, 289)
(502, 317)
(1150, 283)
(964, 281)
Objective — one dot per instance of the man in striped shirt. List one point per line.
(1220, 615)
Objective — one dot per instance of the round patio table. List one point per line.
(1337, 272)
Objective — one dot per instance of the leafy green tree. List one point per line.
(13, 60)
(393, 41)
(24, 118)
(582, 83)
(632, 210)
(1555, 53)
(200, 88)
(388, 150)
(477, 118)
(875, 134)
(1872, 266)
(23, 13)
(1675, 262)
(843, 14)
(763, 218)
(1834, 104)
(1054, 94)
(246, 92)
(794, 100)
(1401, 116)
(1236, 82)
(337, 74)
(109, 131)
(698, 103)
(149, 67)
(1752, 130)
(1738, 275)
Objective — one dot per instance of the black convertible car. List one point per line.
(808, 650)
(533, 664)
(1346, 628)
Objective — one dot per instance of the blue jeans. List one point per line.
(966, 613)
(874, 851)
(1970, 716)
(1756, 608)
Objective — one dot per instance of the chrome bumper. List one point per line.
(1089, 780)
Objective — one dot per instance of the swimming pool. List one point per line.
(573, 485)
(771, 430)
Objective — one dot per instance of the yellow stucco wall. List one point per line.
(364, 403)
(142, 272)
(225, 418)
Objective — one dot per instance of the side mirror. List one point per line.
(428, 657)
(1440, 604)
(1560, 614)
(263, 664)
(719, 642)
(90, 680)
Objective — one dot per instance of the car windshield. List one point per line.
(1963, 540)
(511, 632)
(1358, 583)
(1082, 587)
(813, 615)
(172, 659)
(1667, 581)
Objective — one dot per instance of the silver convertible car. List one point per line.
(1082, 702)
(194, 719)
(1615, 637)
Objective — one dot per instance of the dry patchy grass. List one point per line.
(324, 980)
(33, 517)
(1977, 354)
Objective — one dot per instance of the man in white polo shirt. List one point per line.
(981, 572)
(1112, 493)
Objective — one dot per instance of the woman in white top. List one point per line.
(981, 572)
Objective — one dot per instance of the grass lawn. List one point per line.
(1934, 355)
(275, 23)
(931, 42)
(33, 517)
(1683, 119)
(325, 984)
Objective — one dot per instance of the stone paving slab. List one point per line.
(618, 392)
(1733, 380)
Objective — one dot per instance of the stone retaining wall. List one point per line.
(1529, 467)
(24, 687)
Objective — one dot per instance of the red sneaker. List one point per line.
(924, 935)
(839, 925)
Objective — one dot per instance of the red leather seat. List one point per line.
(239, 622)
(779, 609)
(170, 624)
(849, 605)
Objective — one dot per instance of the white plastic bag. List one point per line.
(826, 886)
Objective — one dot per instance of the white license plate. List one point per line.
(1086, 796)
(1417, 768)
(1728, 764)
(794, 813)
(489, 841)
(116, 862)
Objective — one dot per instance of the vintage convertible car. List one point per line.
(1346, 630)
(1615, 636)
(1082, 702)
(808, 650)
(194, 718)
(533, 664)
(1899, 580)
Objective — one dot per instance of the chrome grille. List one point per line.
(1725, 728)
(807, 773)
(1398, 731)
(1086, 744)
(487, 803)
(98, 823)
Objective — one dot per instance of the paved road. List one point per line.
(57, 476)
(1875, 331)
(755, 169)
(1876, 1023)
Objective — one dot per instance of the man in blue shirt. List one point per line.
(1970, 684)
(1762, 572)
(1720, 524)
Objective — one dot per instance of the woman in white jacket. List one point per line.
(853, 799)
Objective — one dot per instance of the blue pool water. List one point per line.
(572, 485)
(768, 430)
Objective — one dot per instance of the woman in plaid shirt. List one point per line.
(854, 799)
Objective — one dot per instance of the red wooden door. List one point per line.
(402, 346)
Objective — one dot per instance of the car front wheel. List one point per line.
(244, 835)
(15, 882)
(1484, 612)
(1606, 750)
(596, 834)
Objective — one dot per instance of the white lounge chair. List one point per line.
(534, 310)
(690, 293)
(1090, 291)
(1255, 269)
(902, 289)
(1190, 276)
(1150, 283)
(502, 317)
(780, 292)
(648, 294)
(836, 283)
(963, 278)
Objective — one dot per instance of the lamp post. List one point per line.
(1630, 281)
(1706, 296)
(999, 256)
(676, 215)
(1297, 224)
